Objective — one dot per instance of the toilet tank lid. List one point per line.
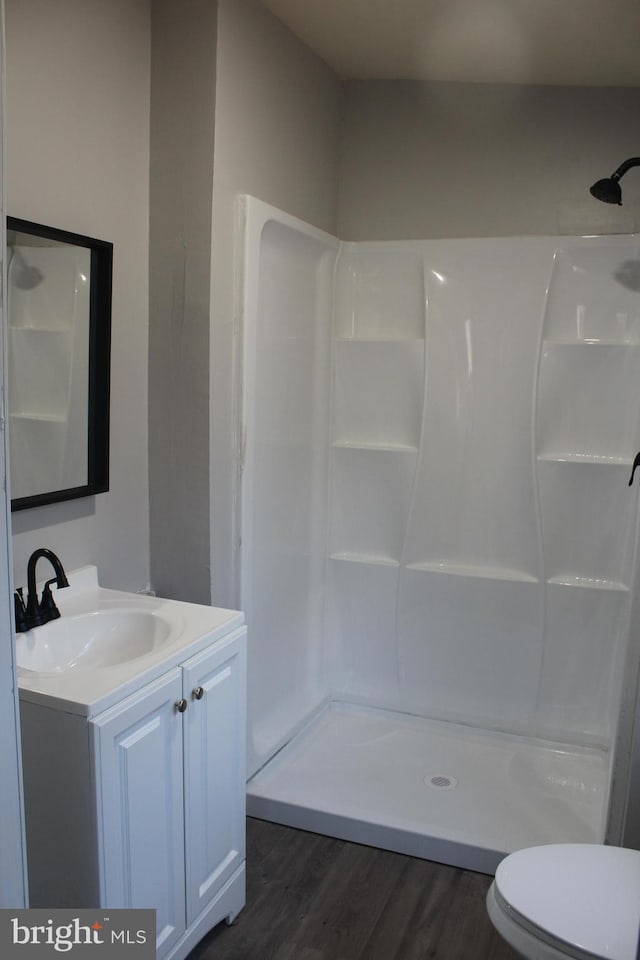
(585, 895)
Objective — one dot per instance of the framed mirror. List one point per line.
(59, 332)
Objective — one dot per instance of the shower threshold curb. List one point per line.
(397, 839)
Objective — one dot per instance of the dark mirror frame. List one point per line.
(99, 363)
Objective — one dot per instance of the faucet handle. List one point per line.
(20, 611)
(47, 607)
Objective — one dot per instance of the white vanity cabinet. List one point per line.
(169, 762)
(142, 804)
(140, 796)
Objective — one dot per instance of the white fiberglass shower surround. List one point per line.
(438, 536)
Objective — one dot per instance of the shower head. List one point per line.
(22, 274)
(608, 189)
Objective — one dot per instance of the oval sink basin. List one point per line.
(102, 638)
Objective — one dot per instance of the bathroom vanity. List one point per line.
(134, 770)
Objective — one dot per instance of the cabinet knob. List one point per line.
(181, 705)
(198, 693)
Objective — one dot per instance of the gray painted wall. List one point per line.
(77, 127)
(277, 131)
(466, 160)
(183, 87)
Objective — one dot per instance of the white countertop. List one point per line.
(88, 691)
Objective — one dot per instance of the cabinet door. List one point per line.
(215, 688)
(138, 765)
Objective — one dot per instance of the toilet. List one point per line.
(572, 900)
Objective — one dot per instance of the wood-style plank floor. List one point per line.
(311, 897)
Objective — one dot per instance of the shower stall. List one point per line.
(438, 537)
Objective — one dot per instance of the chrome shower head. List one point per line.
(608, 189)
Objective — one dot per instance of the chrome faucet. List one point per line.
(35, 613)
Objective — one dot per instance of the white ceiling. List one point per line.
(584, 42)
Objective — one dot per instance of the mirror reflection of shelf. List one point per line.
(40, 417)
(63, 328)
(41, 364)
(40, 333)
(39, 440)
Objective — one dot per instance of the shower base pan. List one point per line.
(431, 789)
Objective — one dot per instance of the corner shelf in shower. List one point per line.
(378, 394)
(588, 583)
(583, 414)
(471, 570)
(590, 458)
(368, 445)
(371, 483)
(377, 560)
(383, 340)
(584, 501)
(593, 344)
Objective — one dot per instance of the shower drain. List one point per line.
(441, 781)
